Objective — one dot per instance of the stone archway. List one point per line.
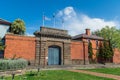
(47, 38)
(54, 55)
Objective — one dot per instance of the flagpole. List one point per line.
(43, 20)
(63, 24)
(54, 20)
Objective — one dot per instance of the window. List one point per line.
(96, 44)
(88, 41)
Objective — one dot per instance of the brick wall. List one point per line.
(116, 57)
(21, 46)
(94, 46)
(79, 52)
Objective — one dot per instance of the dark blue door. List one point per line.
(53, 56)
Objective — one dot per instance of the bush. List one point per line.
(13, 64)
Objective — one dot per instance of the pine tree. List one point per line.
(90, 52)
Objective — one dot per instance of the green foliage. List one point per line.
(105, 51)
(1, 46)
(18, 27)
(13, 64)
(90, 51)
(101, 51)
(110, 33)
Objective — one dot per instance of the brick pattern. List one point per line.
(67, 56)
(42, 45)
(79, 52)
(95, 48)
(116, 57)
(21, 46)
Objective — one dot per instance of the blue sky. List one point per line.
(77, 14)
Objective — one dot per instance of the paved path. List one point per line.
(98, 74)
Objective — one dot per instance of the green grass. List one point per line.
(115, 71)
(57, 75)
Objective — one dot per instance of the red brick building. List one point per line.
(49, 47)
(50, 43)
(88, 37)
(52, 46)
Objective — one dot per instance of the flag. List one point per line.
(46, 18)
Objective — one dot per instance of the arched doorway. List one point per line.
(54, 55)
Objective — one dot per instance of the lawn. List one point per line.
(57, 75)
(115, 71)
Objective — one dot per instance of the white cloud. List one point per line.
(67, 13)
(76, 23)
(28, 34)
(47, 18)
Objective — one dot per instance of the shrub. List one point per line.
(13, 64)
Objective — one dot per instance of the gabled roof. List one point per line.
(87, 37)
(4, 22)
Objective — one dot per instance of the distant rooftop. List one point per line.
(87, 37)
(5, 22)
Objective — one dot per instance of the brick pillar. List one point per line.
(66, 54)
(37, 55)
(85, 53)
(43, 54)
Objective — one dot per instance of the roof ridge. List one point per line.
(4, 20)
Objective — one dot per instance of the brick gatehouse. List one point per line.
(52, 46)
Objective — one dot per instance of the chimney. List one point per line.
(88, 32)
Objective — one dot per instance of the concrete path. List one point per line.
(98, 74)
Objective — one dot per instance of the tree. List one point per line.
(1, 45)
(110, 33)
(90, 52)
(100, 53)
(105, 52)
(112, 40)
(18, 27)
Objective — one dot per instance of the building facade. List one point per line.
(52, 46)
(96, 41)
(4, 27)
(49, 47)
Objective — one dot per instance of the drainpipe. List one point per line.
(44, 58)
(84, 52)
(40, 51)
